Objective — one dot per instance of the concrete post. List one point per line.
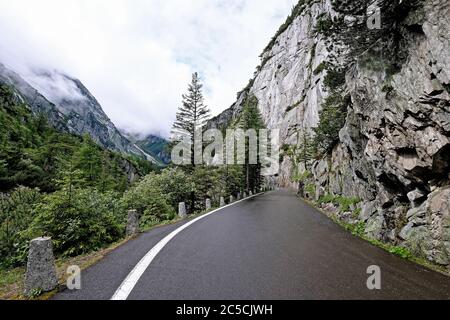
(222, 202)
(41, 270)
(245, 194)
(231, 199)
(132, 223)
(208, 204)
(238, 196)
(251, 193)
(182, 213)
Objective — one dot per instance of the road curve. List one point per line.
(273, 246)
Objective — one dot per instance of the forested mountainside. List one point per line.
(364, 115)
(34, 154)
(70, 107)
(154, 146)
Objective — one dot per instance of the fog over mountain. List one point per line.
(137, 57)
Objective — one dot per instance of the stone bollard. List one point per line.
(245, 194)
(251, 193)
(222, 202)
(182, 213)
(208, 204)
(41, 270)
(238, 197)
(231, 199)
(132, 223)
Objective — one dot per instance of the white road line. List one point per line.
(132, 279)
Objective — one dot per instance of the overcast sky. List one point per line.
(137, 56)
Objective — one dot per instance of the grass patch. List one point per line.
(344, 203)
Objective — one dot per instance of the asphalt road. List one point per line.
(272, 246)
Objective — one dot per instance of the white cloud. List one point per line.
(136, 57)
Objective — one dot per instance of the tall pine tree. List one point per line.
(192, 115)
(251, 118)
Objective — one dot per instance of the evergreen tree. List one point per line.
(302, 154)
(251, 119)
(88, 159)
(192, 115)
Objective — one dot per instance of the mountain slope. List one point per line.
(392, 150)
(33, 154)
(153, 146)
(69, 107)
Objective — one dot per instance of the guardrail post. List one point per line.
(132, 223)
(182, 213)
(41, 270)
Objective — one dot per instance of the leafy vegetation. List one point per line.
(251, 119)
(325, 25)
(320, 68)
(56, 184)
(66, 187)
(34, 154)
(79, 220)
(345, 204)
(335, 78)
(332, 120)
(16, 214)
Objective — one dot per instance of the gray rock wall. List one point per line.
(394, 150)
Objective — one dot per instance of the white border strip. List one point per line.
(132, 279)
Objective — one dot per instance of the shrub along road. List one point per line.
(272, 246)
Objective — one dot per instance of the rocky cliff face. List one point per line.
(69, 107)
(393, 152)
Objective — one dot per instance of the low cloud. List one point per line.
(137, 57)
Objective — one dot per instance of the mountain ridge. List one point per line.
(70, 107)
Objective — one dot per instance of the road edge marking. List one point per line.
(133, 277)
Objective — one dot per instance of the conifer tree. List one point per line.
(251, 119)
(192, 115)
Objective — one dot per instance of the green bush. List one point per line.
(401, 252)
(358, 229)
(332, 119)
(174, 184)
(324, 25)
(152, 205)
(328, 198)
(320, 68)
(335, 78)
(157, 196)
(311, 189)
(79, 220)
(344, 203)
(16, 214)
